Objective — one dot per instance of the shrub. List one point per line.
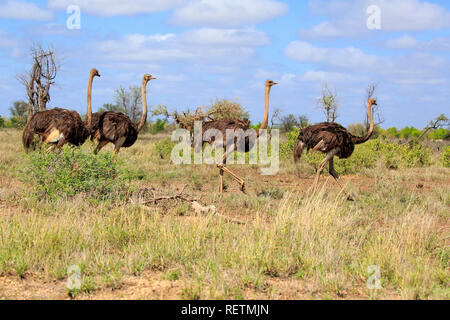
(445, 159)
(408, 132)
(439, 134)
(70, 171)
(158, 126)
(273, 193)
(163, 148)
(2, 122)
(287, 148)
(392, 132)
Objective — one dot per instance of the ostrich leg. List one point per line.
(329, 156)
(335, 175)
(223, 169)
(119, 143)
(100, 145)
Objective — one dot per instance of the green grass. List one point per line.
(322, 241)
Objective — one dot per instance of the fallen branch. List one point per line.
(195, 204)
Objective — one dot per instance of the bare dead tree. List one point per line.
(328, 103)
(371, 94)
(275, 116)
(40, 78)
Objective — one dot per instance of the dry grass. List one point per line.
(291, 246)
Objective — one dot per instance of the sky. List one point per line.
(203, 50)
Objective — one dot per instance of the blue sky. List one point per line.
(201, 50)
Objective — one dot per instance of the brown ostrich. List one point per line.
(57, 126)
(334, 140)
(237, 124)
(116, 127)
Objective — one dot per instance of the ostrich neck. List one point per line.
(358, 140)
(144, 106)
(89, 102)
(266, 111)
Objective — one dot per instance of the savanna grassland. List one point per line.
(277, 241)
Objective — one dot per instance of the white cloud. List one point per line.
(24, 10)
(409, 42)
(6, 41)
(332, 77)
(117, 7)
(405, 42)
(228, 13)
(349, 57)
(348, 18)
(231, 37)
(351, 64)
(9, 44)
(170, 47)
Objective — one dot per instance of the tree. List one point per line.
(288, 123)
(40, 78)
(275, 116)
(436, 124)
(393, 132)
(160, 110)
(111, 107)
(303, 122)
(378, 117)
(226, 109)
(129, 102)
(221, 109)
(328, 103)
(19, 112)
(357, 129)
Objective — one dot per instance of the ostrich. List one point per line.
(334, 140)
(116, 127)
(236, 124)
(58, 126)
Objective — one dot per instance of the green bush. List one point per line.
(410, 132)
(366, 156)
(70, 171)
(158, 126)
(287, 148)
(392, 132)
(439, 134)
(445, 159)
(163, 148)
(2, 122)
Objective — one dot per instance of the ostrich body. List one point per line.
(58, 126)
(333, 140)
(236, 124)
(116, 127)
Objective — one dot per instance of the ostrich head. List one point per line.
(148, 77)
(95, 73)
(270, 83)
(373, 102)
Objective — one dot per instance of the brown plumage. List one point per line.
(333, 140)
(57, 126)
(236, 124)
(116, 127)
